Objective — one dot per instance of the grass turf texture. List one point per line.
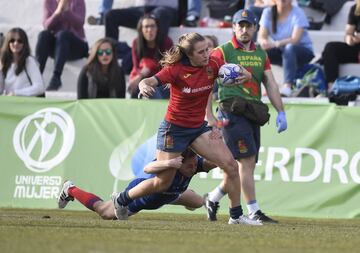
(37, 231)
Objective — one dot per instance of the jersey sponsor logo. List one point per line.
(187, 76)
(189, 90)
(242, 147)
(44, 139)
(186, 90)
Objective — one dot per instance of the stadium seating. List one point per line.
(28, 15)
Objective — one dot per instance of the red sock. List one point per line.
(86, 198)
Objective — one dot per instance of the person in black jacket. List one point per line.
(336, 52)
(102, 77)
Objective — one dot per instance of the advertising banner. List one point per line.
(310, 170)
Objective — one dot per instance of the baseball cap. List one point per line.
(244, 15)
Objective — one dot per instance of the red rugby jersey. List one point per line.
(190, 89)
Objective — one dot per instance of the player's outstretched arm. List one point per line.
(147, 86)
(159, 166)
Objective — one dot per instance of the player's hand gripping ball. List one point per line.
(228, 73)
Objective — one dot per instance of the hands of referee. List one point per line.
(281, 122)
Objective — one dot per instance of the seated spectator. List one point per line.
(102, 77)
(20, 74)
(164, 10)
(193, 12)
(336, 53)
(104, 7)
(147, 51)
(63, 37)
(257, 6)
(283, 34)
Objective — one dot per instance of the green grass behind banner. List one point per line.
(38, 231)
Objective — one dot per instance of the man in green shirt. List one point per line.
(242, 134)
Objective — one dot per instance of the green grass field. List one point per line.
(37, 231)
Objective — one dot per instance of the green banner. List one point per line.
(310, 170)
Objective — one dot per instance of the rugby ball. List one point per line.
(228, 74)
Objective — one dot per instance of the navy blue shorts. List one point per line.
(150, 202)
(173, 138)
(240, 135)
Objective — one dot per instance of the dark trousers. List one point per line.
(336, 53)
(129, 17)
(65, 46)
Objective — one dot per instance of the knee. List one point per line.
(230, 167)
(329, 48)
(289, 50)
(63, 37)
(44, 36)
(109, 17)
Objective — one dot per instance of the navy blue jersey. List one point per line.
(154, 201)
(180, 182)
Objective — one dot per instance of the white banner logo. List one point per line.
(36, 135)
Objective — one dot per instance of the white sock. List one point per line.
(252, 207)
(216, 194)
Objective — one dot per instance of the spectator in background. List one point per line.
(283, 34)
(336, 53)
(20, 74)
(257, 6)
(147, 51)
(63, 37)
(164, 10)
(193, 12)
(102, 77)
(104, 7)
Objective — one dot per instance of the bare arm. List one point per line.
(147, 86)
(350, 37)
(267, 43)
(294, 39)
(210, 117)
(272, 90)
(263, 38)
(159, 166)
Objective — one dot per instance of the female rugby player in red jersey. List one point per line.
(191, 73)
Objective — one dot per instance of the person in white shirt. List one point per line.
(19, 72)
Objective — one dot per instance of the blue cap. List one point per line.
(244, 15)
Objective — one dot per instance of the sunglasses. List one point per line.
(104, 52)
(16, 40)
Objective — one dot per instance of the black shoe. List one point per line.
(95, 20)
(54, 84)
(260, 216)
(191, 21)
(211, 208)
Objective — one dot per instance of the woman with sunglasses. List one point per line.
(20, 74)
(146, 53)
(102, 77)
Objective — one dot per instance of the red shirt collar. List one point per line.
(238, 45)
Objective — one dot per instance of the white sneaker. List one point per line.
(285, 91)
(244, 220)
(121, 212)
(64, 196)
